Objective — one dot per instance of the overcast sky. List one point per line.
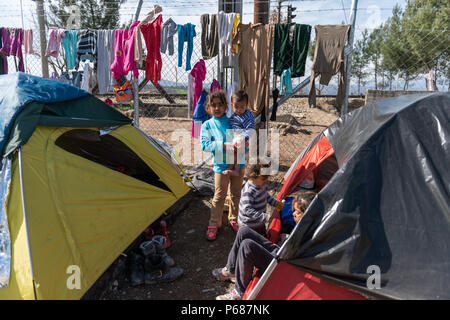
(370, 13)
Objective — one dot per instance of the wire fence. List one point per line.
(296, 124)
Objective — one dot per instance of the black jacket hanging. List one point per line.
(275, 93)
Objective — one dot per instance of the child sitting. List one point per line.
(254, 199)
(252, 250)
(242, 123)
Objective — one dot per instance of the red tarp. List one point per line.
(288, 282)
(311, 160)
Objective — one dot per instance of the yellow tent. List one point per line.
(87, 198)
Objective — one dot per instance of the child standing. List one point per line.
(243, 124)
(254, 199)
(213, 136)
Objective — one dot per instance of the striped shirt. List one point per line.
(253, 203)
(87, 45)
(244, 123)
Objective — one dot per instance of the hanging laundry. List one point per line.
(210, 36)
(89, 79)
(87, 46)
(12, 45)
(190, 94)
(3, 58)
(168, 30)
(291, 54)
(286, 81)
(215, 86)
(237, 20)
(71, 77)
(28, 41)
(198, 74)
(329, 59)
(3, 64)
(69, 43)
(105, 51)
(255, 62)
(275, 93)
(54, 42)
(186, 33)
(225, 32)
(124, 52)
(139, 56)
(200, 115)
(152, 36)
(54, 75)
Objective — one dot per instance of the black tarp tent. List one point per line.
(388, 204)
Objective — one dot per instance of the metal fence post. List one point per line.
(348, 63)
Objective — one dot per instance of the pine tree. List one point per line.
(426, 23)
(94, 14)
(360, 57)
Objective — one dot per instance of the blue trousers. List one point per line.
(186, 33)
(250, 250)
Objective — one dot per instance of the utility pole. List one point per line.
(348, 63)
(261, 11)
(135, 81)
(42, 38)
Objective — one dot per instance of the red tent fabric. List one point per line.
(310, 161)
(288, 282)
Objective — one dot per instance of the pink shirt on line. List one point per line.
(124, 52)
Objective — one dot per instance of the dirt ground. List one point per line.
(189, 248)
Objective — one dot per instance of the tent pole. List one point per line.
(263, 280)
(26, 222)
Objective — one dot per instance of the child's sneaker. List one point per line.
(233, 295)
(211, 233)
(222, 274)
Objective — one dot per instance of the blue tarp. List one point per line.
(18, 89)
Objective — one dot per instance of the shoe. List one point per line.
(158, 275)
(234, 225)
(160, 243)
(157, 270)
(211, 233)
(137, 274)
(233, 295)
(147, 248)
(222, 274)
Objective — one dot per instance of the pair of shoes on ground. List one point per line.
(211, 232)
(154, 265)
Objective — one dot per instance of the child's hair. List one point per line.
(239, 96)
(214, 95)
(303, 199)
(254, 170)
